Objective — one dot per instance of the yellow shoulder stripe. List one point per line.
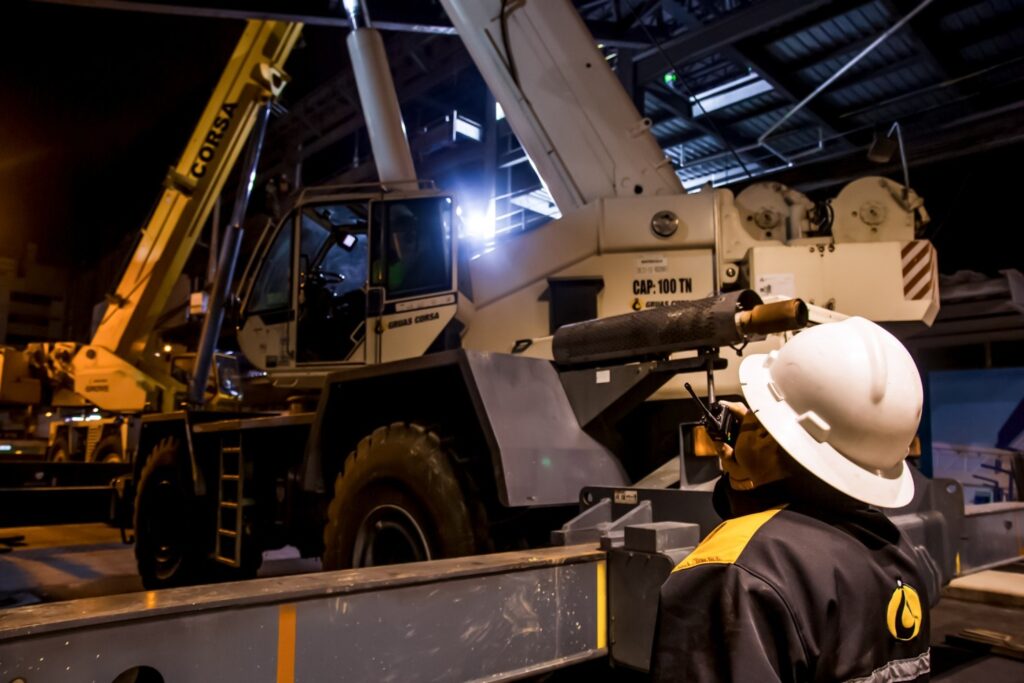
(727, 541)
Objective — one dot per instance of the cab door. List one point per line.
(333, 265)
(265, 332)
(412, 293)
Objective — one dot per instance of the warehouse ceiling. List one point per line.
(719, 79)
(791, 90)
(951, 76)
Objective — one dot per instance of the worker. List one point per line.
(405, 254)
(805, 581)
(277, 196)
(416, 262)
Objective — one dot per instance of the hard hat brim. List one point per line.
(890, 489)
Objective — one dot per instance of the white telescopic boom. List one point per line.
(581, 131)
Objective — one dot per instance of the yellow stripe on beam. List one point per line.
(602, 610)
(286, 643)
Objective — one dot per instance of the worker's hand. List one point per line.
(738, 409)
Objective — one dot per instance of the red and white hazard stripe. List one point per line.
(918, 267)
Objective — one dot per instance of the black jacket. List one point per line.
(819, 589)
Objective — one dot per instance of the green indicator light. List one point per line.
(669, 78)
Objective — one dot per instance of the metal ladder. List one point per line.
(92, 437)
(230, 502)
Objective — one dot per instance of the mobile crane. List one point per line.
(428, 438)
(124, 370)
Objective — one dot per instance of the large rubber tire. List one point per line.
(169, 522)
(397, 499)
(109, 449)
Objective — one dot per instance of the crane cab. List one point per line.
(349, 277)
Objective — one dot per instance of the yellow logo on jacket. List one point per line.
(903, 616)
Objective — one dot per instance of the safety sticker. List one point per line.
(651, 264)
(776, 284)
(403, 306)
(625, 497)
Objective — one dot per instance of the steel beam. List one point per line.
(992, 533)
(937, 55)
(840, 51)
(783, 81)
(407, 17)
(750, 57)
(705, 40)
(493, 617)
(345, 121)
(948, 43)
(679, 106)
(959, 137)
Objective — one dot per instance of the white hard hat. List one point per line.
(844, 400)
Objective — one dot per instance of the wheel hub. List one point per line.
(389, 534)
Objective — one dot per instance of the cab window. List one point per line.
(412, 251)
(272, 288)
(334, 246)
(333, 262)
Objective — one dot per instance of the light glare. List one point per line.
(480, 225)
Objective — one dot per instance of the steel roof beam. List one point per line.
(700, 41)
(926, 24)
(680, 107)
(406, 17)
(867, 76)
(946, 43)
(835, 53)
(827, 12)
(349, 120)
(966, 135)
(684, 139)
(785, 83)
(384, 19)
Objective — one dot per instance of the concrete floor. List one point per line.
(71, 561)
(65, 562)
(954, 663)
(990, 600)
